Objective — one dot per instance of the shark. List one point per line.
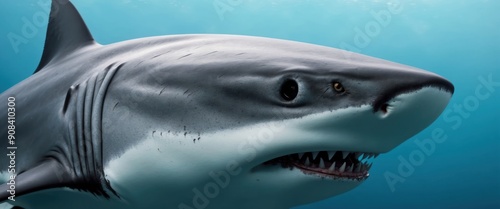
(202, 120)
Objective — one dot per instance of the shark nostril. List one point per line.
(384, 108)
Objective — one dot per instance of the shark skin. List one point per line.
(204, 121)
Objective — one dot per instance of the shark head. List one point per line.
(282, 122)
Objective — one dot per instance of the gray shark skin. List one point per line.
(204, 121)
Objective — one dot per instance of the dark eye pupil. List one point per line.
(289, 90)
(338, 87)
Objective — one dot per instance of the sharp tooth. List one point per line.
(321, 163)
(315, 154)
(330, 155)
(300, 155)
(342, 168)
(332, 167)
(376, 155)
(369, 166)
(307, 163)
(364, 156)
(358, 168)
(344, 154)
(351, 168)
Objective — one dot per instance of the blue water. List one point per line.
(457, 39)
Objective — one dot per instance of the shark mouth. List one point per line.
(339, 165)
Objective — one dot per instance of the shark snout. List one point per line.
(408, 83)
(407, 103)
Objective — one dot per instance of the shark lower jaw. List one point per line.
(334, 165)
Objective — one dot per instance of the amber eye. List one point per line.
(289, 90)
(338, 87)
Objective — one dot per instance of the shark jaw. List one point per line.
(337, 165)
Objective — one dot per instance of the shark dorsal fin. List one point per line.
(66, 32)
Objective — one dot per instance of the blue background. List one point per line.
(457, 39)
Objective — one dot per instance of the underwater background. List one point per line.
(457, 39)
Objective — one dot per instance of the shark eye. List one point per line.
(338, 87)
(289, 90)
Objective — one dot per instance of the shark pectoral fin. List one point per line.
(49, 174)
(66, 32)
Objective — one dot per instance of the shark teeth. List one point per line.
(350, 169)
(364, 156)
(300, 155)
(369, 166)
(331, 154)
(342, 168)
(307, 163)
(357, 155)
(339, 164)
(321, 163)
(315, 155)
(358, 168)
(332, 167)
(344, 154)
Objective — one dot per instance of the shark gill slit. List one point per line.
(84, 114)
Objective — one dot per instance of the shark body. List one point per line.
(204, 121)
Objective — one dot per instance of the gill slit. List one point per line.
(83, 111)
